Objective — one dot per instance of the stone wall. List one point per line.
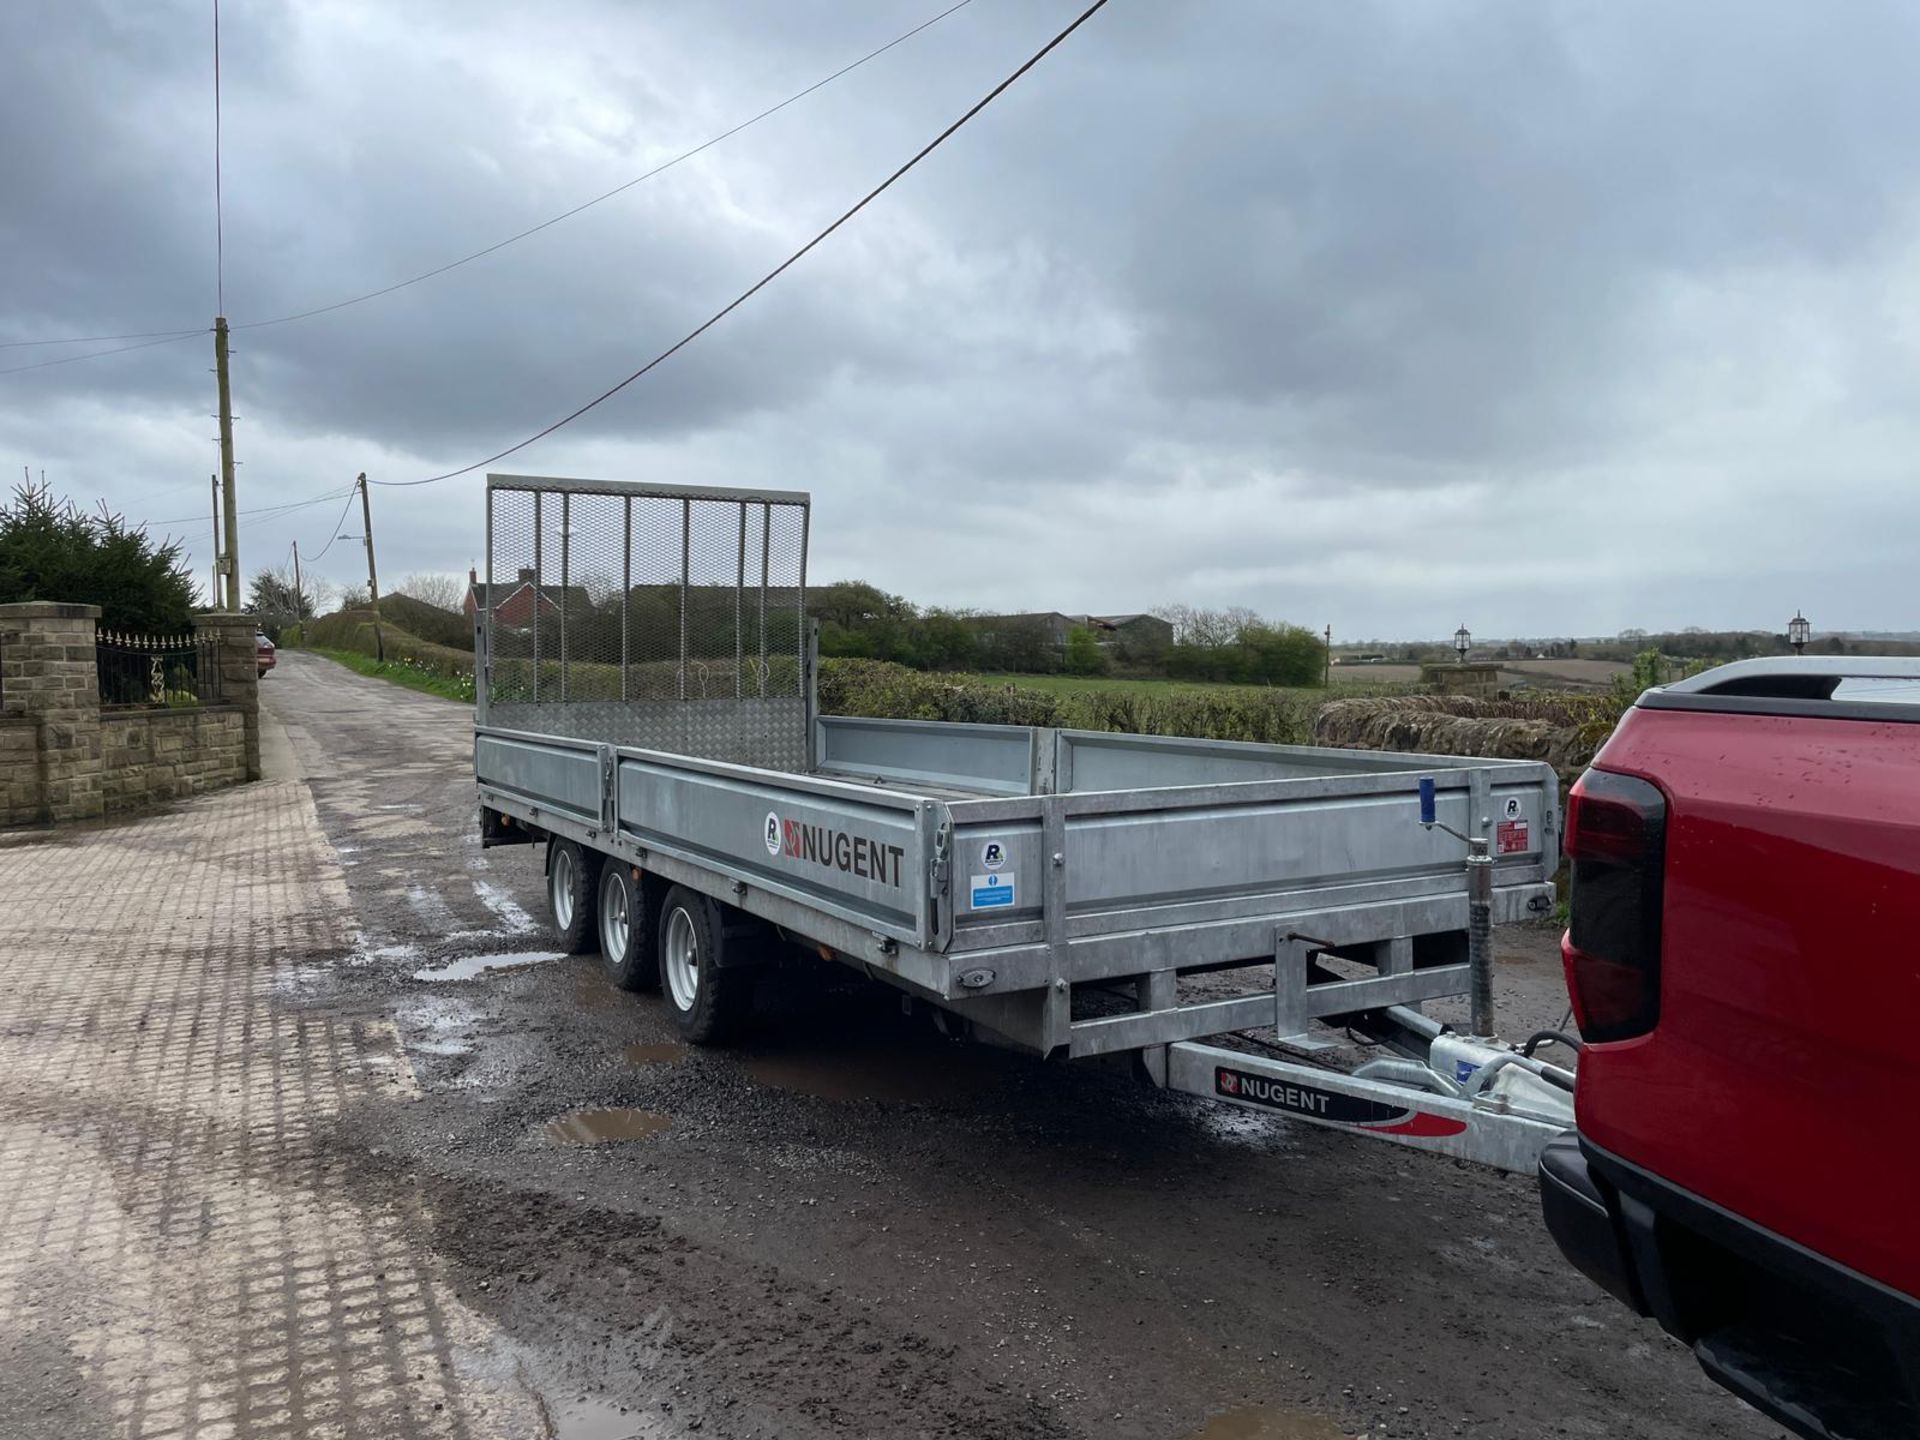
(1557, 731)
(48, 675)
(19, 768)
(63, 759)
(148, 757)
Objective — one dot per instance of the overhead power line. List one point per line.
(102, 339)
(608, 194)
(285, 509)
(773, 274)
(166, 339)
(731, 306)
(334, 533)
(531, 230)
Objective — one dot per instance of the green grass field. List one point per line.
(1081, 684)
(404, 672)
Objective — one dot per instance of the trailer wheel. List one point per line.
(573, 878)
(627, 938)
(710, 1001)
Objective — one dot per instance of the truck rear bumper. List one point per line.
(1820, 1348)
(1583, 1222)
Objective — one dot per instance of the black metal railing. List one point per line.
(157, 670)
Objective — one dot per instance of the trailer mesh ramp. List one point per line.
(665, 618)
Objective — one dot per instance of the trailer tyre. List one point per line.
(573, 888)
(710, 1001)
(628, 941)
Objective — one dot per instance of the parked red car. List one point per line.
(1744, 962)
(263, 651)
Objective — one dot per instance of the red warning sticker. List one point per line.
(1510, 837)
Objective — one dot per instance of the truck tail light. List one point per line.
(1616, 841)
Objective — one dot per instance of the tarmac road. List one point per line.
(852, 1226)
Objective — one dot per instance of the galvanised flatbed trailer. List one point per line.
(646, 708)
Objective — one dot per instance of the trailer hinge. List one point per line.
(885, 944)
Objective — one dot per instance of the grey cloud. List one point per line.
(1364, 311)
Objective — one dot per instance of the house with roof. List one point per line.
(514, 602)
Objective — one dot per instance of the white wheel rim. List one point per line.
(683, 961)
(614, 919)
(561, 884)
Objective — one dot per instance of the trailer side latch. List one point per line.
(937, 866)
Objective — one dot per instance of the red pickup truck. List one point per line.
(1744, 962)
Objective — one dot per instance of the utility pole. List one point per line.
(298, 618)
(373, 580)
(232, 558)
(213, 595)
(1328, 682)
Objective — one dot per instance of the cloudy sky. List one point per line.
(1552, 318)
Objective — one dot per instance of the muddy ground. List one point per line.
(852, 1226)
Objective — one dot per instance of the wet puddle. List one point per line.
(437, 1027)
(474, 965)
(400, 951)
(665, 1052)
(446, 1049)
(586, 1419)
(905, 1070)
(1269, 1422)
(602, 1127)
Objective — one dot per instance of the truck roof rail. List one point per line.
(1864, 687)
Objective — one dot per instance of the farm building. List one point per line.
(1128, 631)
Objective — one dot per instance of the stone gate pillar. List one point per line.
(51, 676)
(239, 672)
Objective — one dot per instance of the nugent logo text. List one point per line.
(834, 849)
(1260, 1090)
(1328, 1106)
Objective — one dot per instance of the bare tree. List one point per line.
(1211, 629)
(1237, 620)
(1183, 618)
(1208, 629)
(274, 601)
(322, 594)
(431, 587)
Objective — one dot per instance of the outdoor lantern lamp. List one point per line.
(1462, 642)
(1797, 632)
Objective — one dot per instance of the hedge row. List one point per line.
(1561, 730)
(353, 630)
(880, 690)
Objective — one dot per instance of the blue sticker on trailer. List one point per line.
(992, 892)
